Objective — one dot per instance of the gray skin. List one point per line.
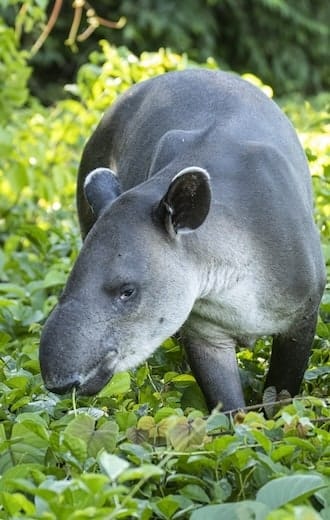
(195, 206)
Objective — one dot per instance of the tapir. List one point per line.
(195, 207)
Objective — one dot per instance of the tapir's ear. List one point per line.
(101, 187)
(186, 203)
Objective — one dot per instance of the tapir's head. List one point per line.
(133, 284)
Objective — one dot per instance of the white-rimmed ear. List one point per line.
(186, 203)
(101, 187)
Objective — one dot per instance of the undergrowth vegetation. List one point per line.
(285, 43)
(144, 447)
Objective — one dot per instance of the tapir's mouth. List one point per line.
(93, 387)
(98, 377)
(95, 381)
(89, 384)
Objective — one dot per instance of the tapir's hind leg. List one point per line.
(216, 372)
(289, 358)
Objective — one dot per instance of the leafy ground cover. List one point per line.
(144, 447)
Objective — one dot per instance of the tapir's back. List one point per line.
(219, 111)
(210, 119)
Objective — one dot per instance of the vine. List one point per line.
(79, 8)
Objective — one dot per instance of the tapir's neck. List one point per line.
(216, 279)
(179, 149)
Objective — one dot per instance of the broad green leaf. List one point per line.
(178, 479)
(14, 503)
(54, 278)
(112, 465)
(4, 339)
(136, 452)
(303, 444)
(146, 423)
(166, 507)
(119, 384)
(24, 446)
(144, 471)
(95, 483)
(163, 413)
(182, 433)
(325, 514)
(184, 378)
(81, 427)
(21, 471)
(35, 424)
(195, 493)
(311, 375)
(217, 420)
(283, 490)
(263, 440)
(125, 419)
(246, 510)
(104, 438)
(142, 374)
(12, 290)
(76, 445)
(281, 452)
(18, 382)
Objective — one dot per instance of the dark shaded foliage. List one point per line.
(284, 42)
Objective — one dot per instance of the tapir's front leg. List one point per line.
(216, 371)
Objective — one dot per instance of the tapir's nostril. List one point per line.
(65, 388)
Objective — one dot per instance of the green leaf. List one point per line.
(95, 483)
(15, 503)
(76, 445)
(34, 423)
(281, 452)
(217, 420)
(119, 384)
(136, 452)
(54, 278)
(24, 446)
(163, 413)
(303, 444)
(178, 479)
(283, 490)
(263, 440)
(144, 471)
(21, 471)
(81, 427)
(125, 419)
(104, 438)
(247, 510)
(183, 378)
(112, 465)
(166, 507)
(4, 339)
(195, 493)
(12, 290)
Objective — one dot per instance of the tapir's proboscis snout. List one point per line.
(195, 207)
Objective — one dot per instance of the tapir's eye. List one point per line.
(126, 292)
(121, 293)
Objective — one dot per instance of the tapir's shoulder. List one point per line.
(192, 100)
